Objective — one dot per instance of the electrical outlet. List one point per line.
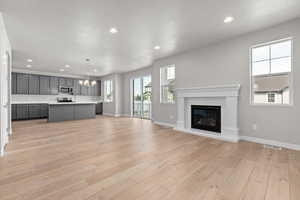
(171, 117)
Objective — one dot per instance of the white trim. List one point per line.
(164, 124)
(126, 115)
(209, 91)
(270, 142)
(112, 114)
(291, 74)
(227, 138)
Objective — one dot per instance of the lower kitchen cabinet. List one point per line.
(14, 112)
(22, 111)
(99, 108)
(44, 110)
(34, 111)
(29, 111)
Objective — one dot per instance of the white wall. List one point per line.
(4, 87)
(113, 108)
(227, 62)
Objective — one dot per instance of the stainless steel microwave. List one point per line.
(66, 90)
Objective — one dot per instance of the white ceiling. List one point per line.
(54, 33)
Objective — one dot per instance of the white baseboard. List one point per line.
(111, 114)
(271, 142)
(126, 115)
(226, 138)
(164, 124)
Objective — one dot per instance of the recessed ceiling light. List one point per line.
(95, 70)
(228, 20)
(29, 60)
(157, 47)
(28, 66)
(67, 66)
(62, 70)
(113, 30)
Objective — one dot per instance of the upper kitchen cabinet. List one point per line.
(34, 84)
(66, 82)
(22, 83)
(84, 90)
(44, 85)
(14, 83)
(98, 88)
(76, 89)
(54, 82)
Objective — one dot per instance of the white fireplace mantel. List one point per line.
(225, 96)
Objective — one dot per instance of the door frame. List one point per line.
(132, 93)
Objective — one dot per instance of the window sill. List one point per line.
(168, 103)
(271, 105)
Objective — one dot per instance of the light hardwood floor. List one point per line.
(127, 159)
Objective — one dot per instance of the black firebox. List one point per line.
(206, 118)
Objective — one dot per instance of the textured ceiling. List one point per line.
(54, 33)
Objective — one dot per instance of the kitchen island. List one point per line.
(71, 111)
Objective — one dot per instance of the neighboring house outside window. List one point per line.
(108, 91)
(271, 73)
(167, 84)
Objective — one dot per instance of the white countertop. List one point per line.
(56, 103)
(70, 103)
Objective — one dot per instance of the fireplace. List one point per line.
(206, 118)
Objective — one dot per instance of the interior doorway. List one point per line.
(142, 93)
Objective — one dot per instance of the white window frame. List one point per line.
(105, 91)
(162, 101)
(291, 86)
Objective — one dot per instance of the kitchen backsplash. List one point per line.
(17, 98)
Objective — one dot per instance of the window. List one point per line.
(167, 84)
(108, 91)
(271, 69)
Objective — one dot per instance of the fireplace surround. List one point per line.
(225, 96)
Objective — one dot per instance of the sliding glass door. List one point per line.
(142, 91)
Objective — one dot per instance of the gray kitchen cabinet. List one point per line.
(13, 83)
(44, 110)
(45, 85)
(61, 113)
(14, 112)
(98, 88)
(54, 82)
(92, 90)
(84, 111)
(99, 108)
(22, 111)
(70, 82)
(76, 89)
(34, 84)
(62, 82)
(84, 90)
(65, 82)
(34, 111)
(22, 83)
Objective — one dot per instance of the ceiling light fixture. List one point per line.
(228, 20)
(29, 60)
(62, 70)
(28, 66)
(157, 47)
(67, 66)
(113, 30)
